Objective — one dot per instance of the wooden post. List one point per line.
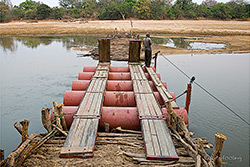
(56, 113)
(216, 155)
(172, 114)
(134, 50)
(63, 122)
(46, 119)
(188, 97)
(104, 49)
(18, 127)
(1, 155)
(25, 124)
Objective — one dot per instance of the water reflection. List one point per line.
(9, 43)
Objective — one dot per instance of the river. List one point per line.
(35, 71)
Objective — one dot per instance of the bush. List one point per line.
(4, 12)
(43, 11)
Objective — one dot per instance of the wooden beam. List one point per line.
(104, 49)
(134, 50)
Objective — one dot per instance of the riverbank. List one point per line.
(235, 34)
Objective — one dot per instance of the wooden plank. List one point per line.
(78, 133)
(92, 133)
(155, 142)
(71, 133)
(147, 137)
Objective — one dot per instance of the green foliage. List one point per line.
(142, 9)
(158, 10)
(28, 4)
(58, 13)
(30, 14)
(4, 12)
(111, 11)
(221, 11)
(17, 13)
(43, 11)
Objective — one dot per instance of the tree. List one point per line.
(17, 13)
(28, 4)
(221, 11)
(209, 3)
(142, 9)
(43, 11)
(185, 8)
(4, 12)
(58, 13)
(111, 11)
(158, 10)
(30, 14)
(70, 3)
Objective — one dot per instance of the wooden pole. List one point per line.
(46, 119)
(134, 50)
(188, 97)
(172, 114)
(56, 113)
(216, 155)
(18, 127)
(104, 49)
(25, 126)
(1, 155)
(63, 122)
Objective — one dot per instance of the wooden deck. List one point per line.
(157, 139)
(80, 141)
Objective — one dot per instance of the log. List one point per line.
(182, 125)
(216, 155)
(172, 114)
(101, 134)
(132, 155)
(18, 127)
(106, 127)
(46, 119)
(134, 50)
(63, 132)
(63, 122)
(119, 129)
(27, 151)
(11, 158)
(119, 142)
(198, 161)
(46, 138)
(56, 114)
(104, 49)
(25, 126)
(1, 154)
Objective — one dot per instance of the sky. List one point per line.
(53, 3)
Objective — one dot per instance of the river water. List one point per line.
(35, 71)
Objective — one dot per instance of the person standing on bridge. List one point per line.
(147, 48)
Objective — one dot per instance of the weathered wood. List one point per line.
(11, 158)
(46, 119)
(25, 127)
(198, 161)
(119, 129)
(26, 152)
(216, 155)
(134, 50)
(172, 114)
(1, 154)
(18, 127)
(57, 115)
(63, 122)
(101, 134)
(106, 127)
(60, 130)
(104, 49)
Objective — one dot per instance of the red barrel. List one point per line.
(73, 98)
(126, 117)
(89, 69)
(123, 85)
(119, 76)
(80, 85)
(111, 98)
(85, 75)
(119, 69)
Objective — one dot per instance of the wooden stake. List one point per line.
(56, 114)
(134, 50)
(216, 155)
(46, 119)
(106, 127)
(104, 49)
(64, 125)
(25, 126)
(173, 116)
(18, 127)
(1, 155)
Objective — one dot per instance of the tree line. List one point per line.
(124, 9)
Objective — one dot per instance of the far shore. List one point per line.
(235, 34)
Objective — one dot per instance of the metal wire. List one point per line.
(205, 90)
